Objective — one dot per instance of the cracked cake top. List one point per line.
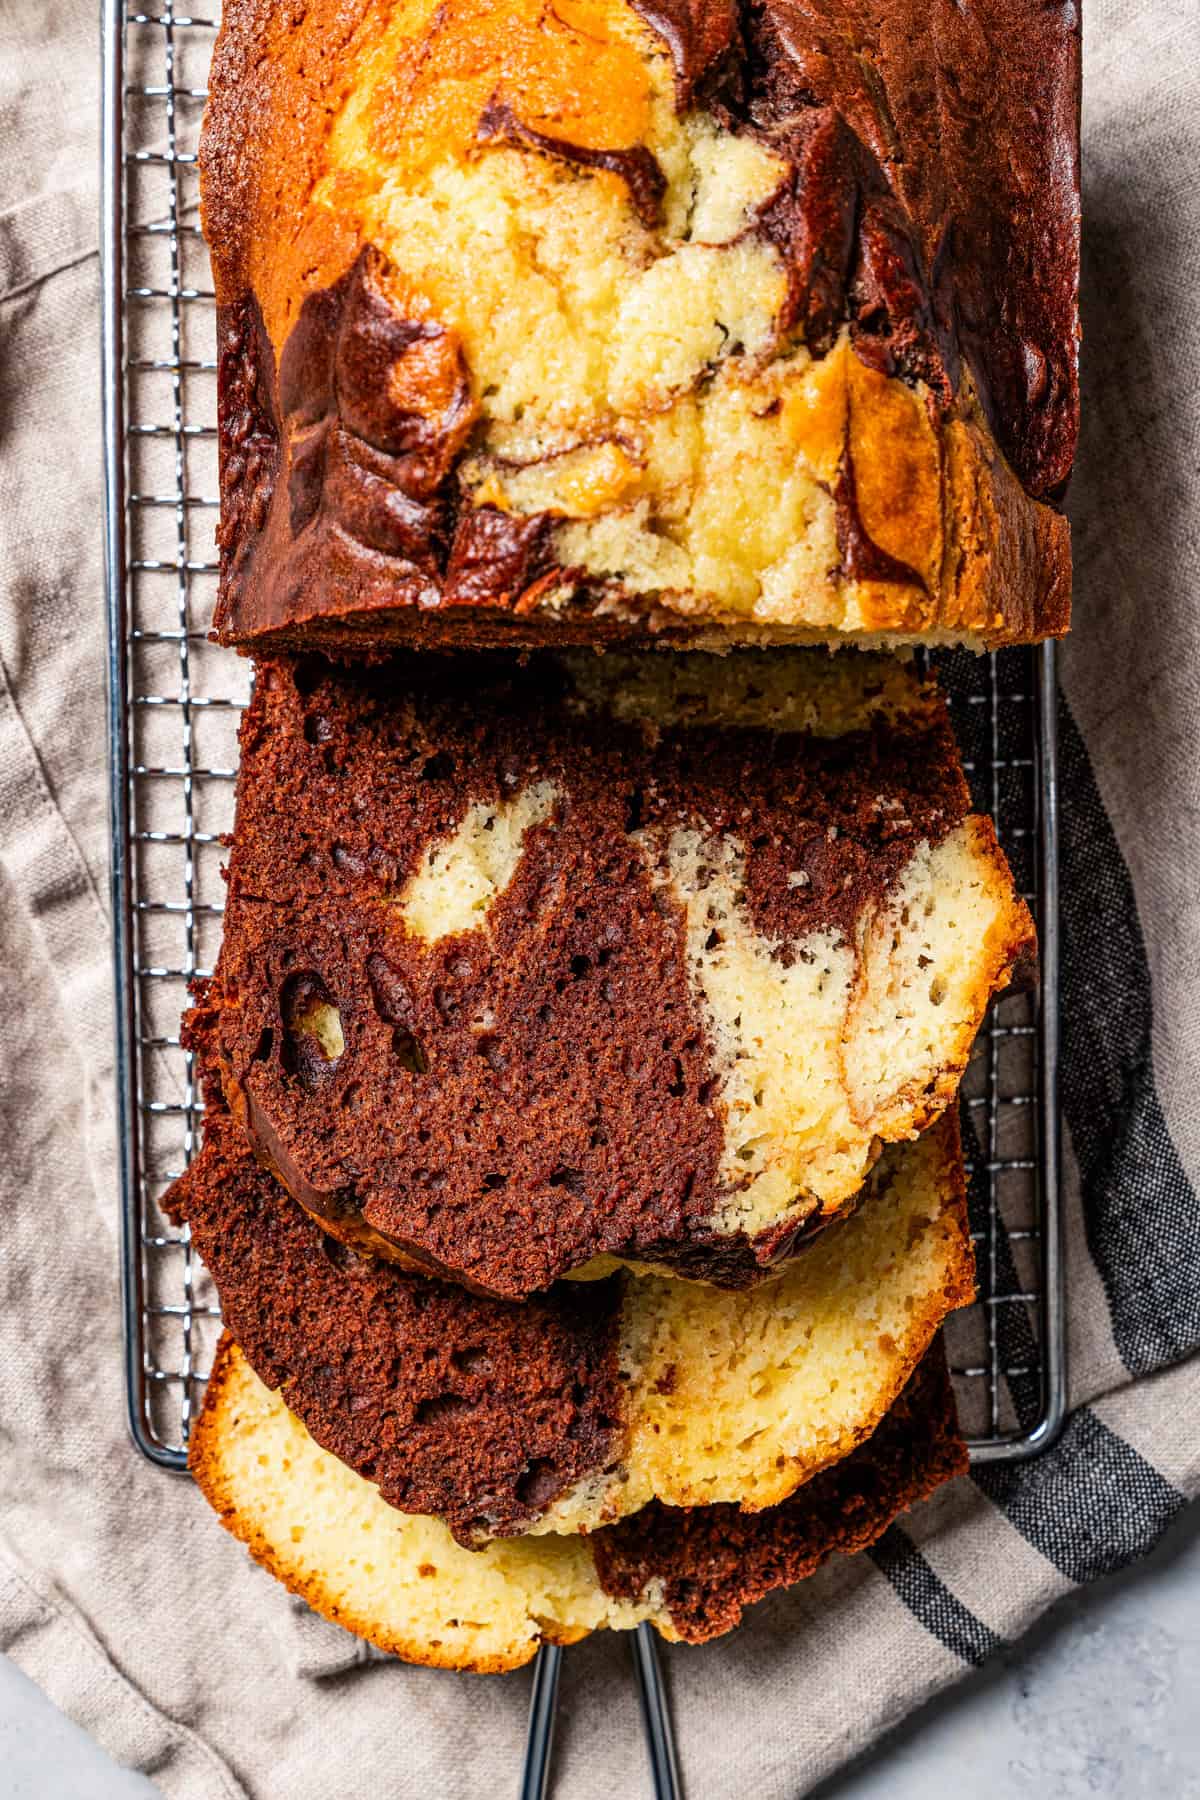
(581, 321)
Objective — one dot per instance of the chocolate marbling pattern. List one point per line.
(931, 207)
(511, 1102)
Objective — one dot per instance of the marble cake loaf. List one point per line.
(530, 966)
(712, 319)
(408, 1587)
(583, 1405)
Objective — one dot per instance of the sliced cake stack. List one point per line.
(572, 1031)
(581, 1177)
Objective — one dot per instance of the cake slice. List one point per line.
(583, 1405)
(724, 322)
(527, 967)
(404, 1584)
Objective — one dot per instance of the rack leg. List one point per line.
(539, 1743)
(656, 1716)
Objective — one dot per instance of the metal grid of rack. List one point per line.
(175, 704)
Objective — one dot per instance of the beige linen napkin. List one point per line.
(117, 1591)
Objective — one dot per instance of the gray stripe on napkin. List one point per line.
(1143, 1216)
(1090, 1504)
(931, 1602)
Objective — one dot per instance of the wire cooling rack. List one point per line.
(175, 700)
(174, 705)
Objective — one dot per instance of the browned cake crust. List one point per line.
(452, 1404)
(539, 1086)
(691, 1573)
(918, 221)
(714, 1561)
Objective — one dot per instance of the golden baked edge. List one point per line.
(370, 1569)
